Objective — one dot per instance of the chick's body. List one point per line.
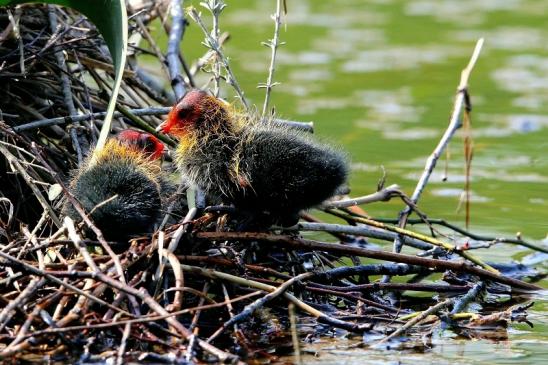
(258, 166)
(121, 188)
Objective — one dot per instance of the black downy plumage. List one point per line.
(122, 186)
(260, 167)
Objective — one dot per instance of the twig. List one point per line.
(294, 334)
(141, 294)
(212, 43)
(76, 137)
(215, 7)
(454, 124)
(14, 162)
(123, 343)
(84, 117)
(174, 41)
(473, 236)
(383, 195)
(251, 308)
(400, 231)
(143, 319)
(432, 310)
(360, 230)
(471, 295)
(12, 261)
(295, 243)
(273, 44)
(322, 317)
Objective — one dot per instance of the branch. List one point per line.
(303, 244)
(174, 41)
(454, 124)
(212, 43)
(273, 45)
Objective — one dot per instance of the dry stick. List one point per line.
(168, 29)
(24, 329)
(473, 236)
(85, 117)
(294, 334)
(179, 280)
(454, 124)
(122, 349)
(230, 309)
(20, 301)
(465, 299)
(216, 47)
(153, 45)
(320, 316)
(66, 87)
(12, 261)
(438, 288)
(143, 319)
(215, 7)
(432, 310)
(273, 44)
(130, 114)
(468, 154)
(173, 44)
(195, 197)
(362, 230)
(299, 244)
(251, 308)
(50, 275)
(383, 195)
(404, 232)
(357, 298)
(82, 248)
(15, 163)
(203, 296)
(141, 294)
(173, 244)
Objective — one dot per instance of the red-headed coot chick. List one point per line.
(259, 166)
(121, 186)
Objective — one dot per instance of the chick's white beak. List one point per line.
(160, 127)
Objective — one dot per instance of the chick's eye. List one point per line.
(183, 113)
(146, 143)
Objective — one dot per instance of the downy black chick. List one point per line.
(258, 166)
(121, 186)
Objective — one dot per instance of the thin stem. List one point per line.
(213, 44)
(273, 44)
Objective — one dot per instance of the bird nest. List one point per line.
(196, 290)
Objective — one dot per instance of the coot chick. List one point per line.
(121, 187)
(260, 167)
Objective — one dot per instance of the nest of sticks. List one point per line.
(196, 291)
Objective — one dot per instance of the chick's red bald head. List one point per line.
(185, 114)
(142, 141)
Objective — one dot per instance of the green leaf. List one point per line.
(110, 18)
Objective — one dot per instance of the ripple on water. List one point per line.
(399, 58)
(459, 193)
(526, 75)
(504, 125)
(301, 13)
(507, 38)
(463, 12)
(495, 174)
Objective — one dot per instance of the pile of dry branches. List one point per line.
(196, 291)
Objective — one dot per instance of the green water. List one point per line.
(378, 77)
